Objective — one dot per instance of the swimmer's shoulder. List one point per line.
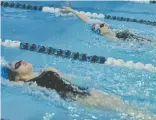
(44, 75)
(52, 69)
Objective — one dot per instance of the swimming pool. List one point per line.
(22, 102)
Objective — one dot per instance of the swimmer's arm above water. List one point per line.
(83, 17)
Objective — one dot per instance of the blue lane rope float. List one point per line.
(144, 1)
(153, 1)
(78, 56)
(63, 53)
(18, 5)
(4, 119)
(55, 10)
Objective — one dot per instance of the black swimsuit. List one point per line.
(66, 90)
(124, 35)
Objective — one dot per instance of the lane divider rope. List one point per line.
(153, 1)
(143, 1)
(56, 11)
(78, 56)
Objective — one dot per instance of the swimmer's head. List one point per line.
(19, 70)
(99, 27)
(102, 26)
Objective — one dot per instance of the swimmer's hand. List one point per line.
(66, 10)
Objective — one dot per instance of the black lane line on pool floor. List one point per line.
(39, 8)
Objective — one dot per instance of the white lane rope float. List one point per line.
(78, 56)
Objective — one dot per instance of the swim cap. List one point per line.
(4, 72)
(95, 28)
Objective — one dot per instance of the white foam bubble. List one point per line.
(48, 116)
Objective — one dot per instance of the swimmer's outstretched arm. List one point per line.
(83, 17)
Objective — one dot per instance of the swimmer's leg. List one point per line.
(143, 115)
(102, 100)
(126, 35)
(141, 39)
(138, 38)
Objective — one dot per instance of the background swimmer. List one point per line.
(102, 28)
(53, 79)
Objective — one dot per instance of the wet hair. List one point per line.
(102, 25)
(12, 75)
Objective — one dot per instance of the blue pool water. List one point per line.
(138, 87)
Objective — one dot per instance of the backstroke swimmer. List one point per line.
(101, 28)
(51, 78)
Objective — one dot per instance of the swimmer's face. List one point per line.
(103, 27)
(22, 67)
